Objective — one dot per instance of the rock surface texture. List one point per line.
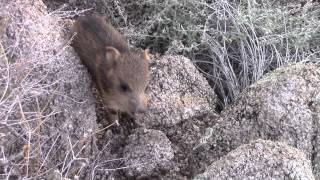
(283, 106)
(146, 151)
(261, 160)
(181, 105)
(47, 109)
(177, 93)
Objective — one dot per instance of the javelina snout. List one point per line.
(121, 75)
(139, 104)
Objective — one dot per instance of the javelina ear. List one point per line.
(112, 54)
(146, 55)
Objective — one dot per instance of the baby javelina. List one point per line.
(121, 75)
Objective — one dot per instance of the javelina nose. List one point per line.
(140, 109)
(140, 104)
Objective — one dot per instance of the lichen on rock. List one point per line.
(261, 160)
(147, 151)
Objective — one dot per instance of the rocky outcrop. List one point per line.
(49, 117)
(177, 93)
(261, 160)
(283, 106)
(181, 105)
(47, 109)
(147, 151)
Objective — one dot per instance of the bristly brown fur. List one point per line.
(121, 75)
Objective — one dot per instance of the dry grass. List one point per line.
(34, 140)
(247, 40)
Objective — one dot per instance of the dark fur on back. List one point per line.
(94, 34)
(103, 33)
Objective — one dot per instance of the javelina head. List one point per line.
(123, 80)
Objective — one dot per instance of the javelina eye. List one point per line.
(124, 87)
(147, 89)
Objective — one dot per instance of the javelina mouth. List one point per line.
(139, 114)
(112, 111)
